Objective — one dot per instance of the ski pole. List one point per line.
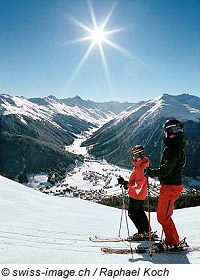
(120, 225)
(161, 238)
(149, 217)
(125, 213)
(124, 209)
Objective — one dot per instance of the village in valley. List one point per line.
(93, 180)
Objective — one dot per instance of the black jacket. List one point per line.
(172, 162)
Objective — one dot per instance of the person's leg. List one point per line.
(168, 195)
(143, 218)
(134, 213)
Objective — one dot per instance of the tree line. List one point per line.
(190, 199)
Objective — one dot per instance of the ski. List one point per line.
(157, 248)
(110, 250)
(106, 239)
(139, 250)
(97, 238)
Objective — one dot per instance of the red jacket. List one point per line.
(137, 186)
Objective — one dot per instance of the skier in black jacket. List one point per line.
(170, 176)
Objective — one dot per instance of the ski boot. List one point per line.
(182, 246)
(154, 236)
(138, 237)
(143, 236)
(163, 247)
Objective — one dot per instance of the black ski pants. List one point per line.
(137, 215)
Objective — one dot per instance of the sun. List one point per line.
(98, 37)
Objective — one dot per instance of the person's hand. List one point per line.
(147, 172)
(120, 180)
(125, 185)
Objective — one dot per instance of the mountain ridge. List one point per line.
(144, 125)
(56, 123)
(48, 124)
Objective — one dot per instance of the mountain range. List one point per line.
(144, 125)
(35, 131)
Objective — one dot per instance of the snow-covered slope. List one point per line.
(36, 228)
(184, 107)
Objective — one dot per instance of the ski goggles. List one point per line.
(170, 130)
(137, 155)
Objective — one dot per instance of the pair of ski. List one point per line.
(138, 250)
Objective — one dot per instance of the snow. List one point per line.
(101, 170)
(35, 181)
(164, 105)
(38, 228)
(168, 106)
(75, 147)
(98, 168)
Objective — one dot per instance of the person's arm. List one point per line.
(167, 165)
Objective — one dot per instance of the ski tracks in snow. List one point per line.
(45, 240)
(55, 241)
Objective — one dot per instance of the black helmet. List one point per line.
(137, 152)
(173, 127)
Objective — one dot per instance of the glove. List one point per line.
(147, 172)
(120, 180)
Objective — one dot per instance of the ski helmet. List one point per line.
(172, 127)
(137, 152)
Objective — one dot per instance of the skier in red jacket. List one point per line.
(137, 190)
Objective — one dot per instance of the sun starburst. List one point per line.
(98, 37)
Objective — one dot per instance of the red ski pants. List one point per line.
(168, 195)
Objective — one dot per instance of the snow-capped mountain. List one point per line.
(35, 131)
(45, 109)
(38, 228)
(111, 106)
(33, 136)
(144, 125)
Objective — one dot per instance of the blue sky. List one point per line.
(161, 40)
